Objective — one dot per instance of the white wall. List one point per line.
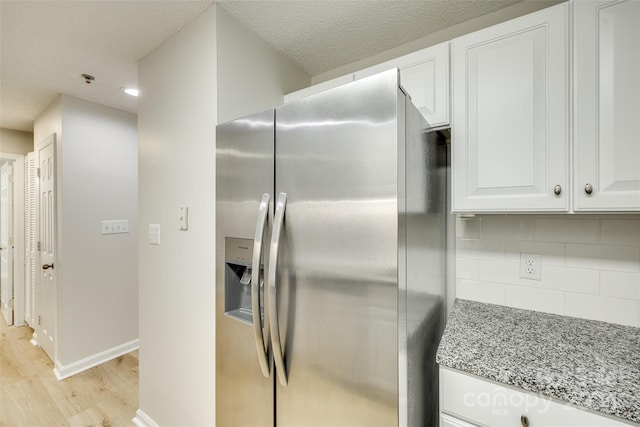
(251, 76)
(15, 141)
(177, 112)
(212, 68)
(590, 264)
(98, 298)
(50, 121)
(97, 289)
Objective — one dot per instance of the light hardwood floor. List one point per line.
(30, 395)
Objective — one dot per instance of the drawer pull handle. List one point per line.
(524, 421)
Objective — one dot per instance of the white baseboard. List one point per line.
(143, 420)
(65, 371)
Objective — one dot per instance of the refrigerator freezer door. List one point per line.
(337, 160)
(244, 170)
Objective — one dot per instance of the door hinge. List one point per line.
(39, 319)
(12, 303)
(11, 241)
(10, 179)
(38, 172)
(39, 247)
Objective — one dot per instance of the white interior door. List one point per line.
(6, 241)
(31, 266)
(47, 232)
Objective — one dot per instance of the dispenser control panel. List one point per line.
(238, 251)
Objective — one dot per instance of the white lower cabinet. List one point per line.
(467, 401)
(449, 421)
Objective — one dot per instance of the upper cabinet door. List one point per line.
(607, 105)
(425, 77)
(510, 123)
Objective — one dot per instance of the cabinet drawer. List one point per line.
(449, 421)
(486, 403)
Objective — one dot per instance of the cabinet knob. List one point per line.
(557, 190)
(588, 189)
(524, 421)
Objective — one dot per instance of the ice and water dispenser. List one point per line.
(237, 279)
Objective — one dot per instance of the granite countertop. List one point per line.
(592, 364)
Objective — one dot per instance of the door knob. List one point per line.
(47, 266)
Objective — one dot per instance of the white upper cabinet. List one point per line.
(423, 74)
(607, 105)
(425, 77)
(510, 123)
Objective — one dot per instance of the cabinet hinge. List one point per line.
(39, 319)
(10, 241)
(38, 172)
(12, 303)
(39, 247)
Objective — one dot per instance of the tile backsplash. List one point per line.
(590, 264)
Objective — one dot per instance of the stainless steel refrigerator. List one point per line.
(330, 234)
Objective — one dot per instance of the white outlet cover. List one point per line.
(530, 266)
(154, 234)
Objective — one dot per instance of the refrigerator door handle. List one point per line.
(263, 212)
(271, 285)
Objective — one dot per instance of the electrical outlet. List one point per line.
(530, 266)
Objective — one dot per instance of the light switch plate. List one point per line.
(114, 226)
(154, 234)
(184, 218)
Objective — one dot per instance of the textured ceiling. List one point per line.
(46, 45)
(320, 35)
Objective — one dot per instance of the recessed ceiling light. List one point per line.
(130, 91)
